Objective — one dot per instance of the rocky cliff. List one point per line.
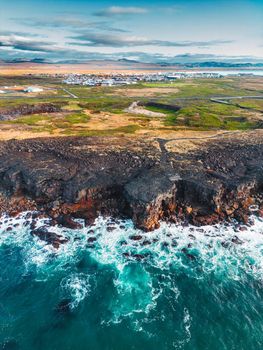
(128, 177)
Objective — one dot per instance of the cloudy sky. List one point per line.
(149, 31)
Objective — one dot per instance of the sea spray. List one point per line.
(156, 288)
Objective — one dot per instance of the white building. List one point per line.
(33, 89)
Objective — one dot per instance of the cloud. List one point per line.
(55, 22)
(29, 45)
(25, 44)
(67, 22)
(120, 11)
(109, 40)
(23, 34)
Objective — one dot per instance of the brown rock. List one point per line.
(136, 237)
(67, 221)
(50, 237)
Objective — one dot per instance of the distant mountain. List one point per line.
(126, 60)
(24, 60)
(133, 64)
(214, 64)
(210, 64)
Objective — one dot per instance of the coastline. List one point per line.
(147, 181)
(109, 67)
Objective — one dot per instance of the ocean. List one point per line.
(112, 287)
(227, 71)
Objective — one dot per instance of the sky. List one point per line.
(147, 31)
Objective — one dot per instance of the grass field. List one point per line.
(100, 110)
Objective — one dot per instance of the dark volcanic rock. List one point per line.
(50, 237)
(136, 237)
(67, 221)
(27, 109)
(86, 177)
(92, 239)
(236, 240)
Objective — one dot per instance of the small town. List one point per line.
(116, 79)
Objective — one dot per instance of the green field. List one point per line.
(92, 111)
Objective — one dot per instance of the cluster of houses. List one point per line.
(110, 79)
(128, 79)
(194, 75)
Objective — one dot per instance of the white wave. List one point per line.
(180, 343)
(226, 251)
(187, 323)
(136, 293)
(78, 287)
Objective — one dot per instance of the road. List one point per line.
(226, 101)
(223, 100)
(216, 98)
(70, 93)
(40, 97)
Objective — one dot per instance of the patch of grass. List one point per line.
(112, 104)
(48, 123)
(171, 120)
(237, 125)
(158, 85)
(77, 118)
(24, 80)
(163, 110)
(208, 116)
(253, 104)
(129, 129)
(72, 107)
(203, 87)
(87, 91)
(47, 128)
(19, 102)
(31, 120)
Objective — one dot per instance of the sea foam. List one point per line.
(223, 248)
(143, 264)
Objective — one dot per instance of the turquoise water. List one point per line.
(184, 288)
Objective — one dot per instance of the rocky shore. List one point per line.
(73, 177)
